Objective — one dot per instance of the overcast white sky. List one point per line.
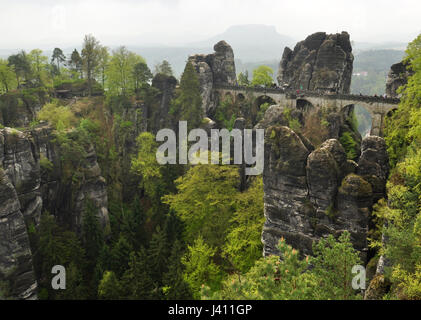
(49, 23)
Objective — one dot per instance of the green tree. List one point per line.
(243, 79)
(141, 75)
(205, 202)
(58, 57)
(93, 242)
(163, 68)
(327, 275)
(39, 66)
(120, 76)
(333, 261)
(120, 254)
(21, 65)
(55, 246)
(175, 287)
(7, 77)
(109, 287)
(262, 75)
(243, 245)
(187, 105)
(158, 255)
(146, 166)
(271, 278)
(90, 58)
(199, 267)
(104, 59)
(137, 281)
(76, 63)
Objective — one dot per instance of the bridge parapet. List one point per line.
(302, 94)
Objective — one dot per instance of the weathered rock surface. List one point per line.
(15, 253)
(18, 109)
(27, 190)
(312, 194)
(397, 77)
(373, 164)
(320, 62)
(217, 68)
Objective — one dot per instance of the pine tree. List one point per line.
(120, 255)
(158, 254)
(188, 103)
(175, 287)
(109, 287)
(58, 56)
(136, 281)
(93, 242)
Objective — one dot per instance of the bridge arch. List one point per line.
(361, 118)
(304, 105)
(264, 99)
(228, 95)
(240, 97)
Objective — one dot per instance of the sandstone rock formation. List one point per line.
(27, 190)
(309, 194)
(320, 62)
(15, 252)
(217, 68)
(397, 77)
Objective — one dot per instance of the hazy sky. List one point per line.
(49, 23)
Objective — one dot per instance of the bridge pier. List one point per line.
(377, 124)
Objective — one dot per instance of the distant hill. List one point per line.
(252, 42)
(371, 69)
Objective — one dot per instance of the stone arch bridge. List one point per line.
(378, 107)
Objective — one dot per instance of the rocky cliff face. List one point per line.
(28, 188)
(217, 68)
(313, 192)
(18, 109)
(397, 77)
(320, 62)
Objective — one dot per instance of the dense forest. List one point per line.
(190, 231)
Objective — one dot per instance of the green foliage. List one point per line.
(293, 123)
(333, 261)
(56, 246)
(199, 267)
(262, 75)
(109, 287)
(243, 245)
(226, 113)
(399, 219)
(243, 79)
(136, 280)
(21, 66)
(7, 77)
(146, 165)
(122, 77)
(175, 286)
(187, 106)
(163, 68)
(349, 145)
(90, 58)
(60, 117)
(326, 276)
(46, 164)
(205, 202)
(271, 278)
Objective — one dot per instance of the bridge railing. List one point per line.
(306, 93)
